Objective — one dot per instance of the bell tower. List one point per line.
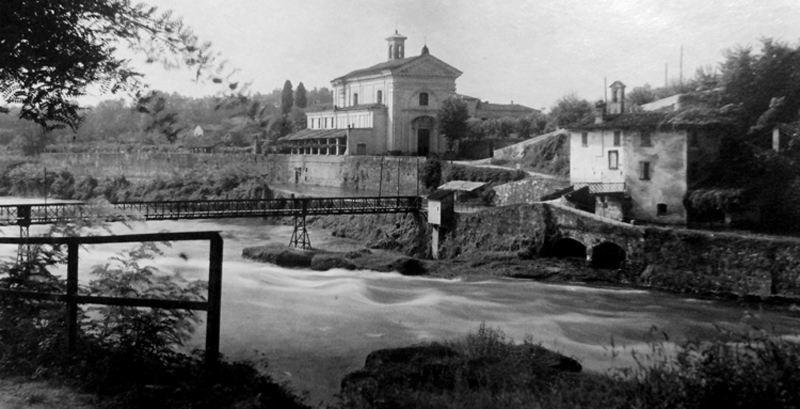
(617, 104)
(397, 46)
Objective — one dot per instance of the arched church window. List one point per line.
(423, 99)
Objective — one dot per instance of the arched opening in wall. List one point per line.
(607, 255)
(569, 248)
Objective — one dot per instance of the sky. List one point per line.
(530, 52)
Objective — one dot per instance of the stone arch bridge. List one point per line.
(603, 242)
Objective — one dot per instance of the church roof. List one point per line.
(378, 68)
(392, 65)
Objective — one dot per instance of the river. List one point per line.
(314, 327)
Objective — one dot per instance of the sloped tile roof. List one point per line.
(314, 134)
(378, 68)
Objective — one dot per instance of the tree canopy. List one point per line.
(452, 120)
(52, 50)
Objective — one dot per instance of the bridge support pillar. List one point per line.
(24, 249)
(300, 237)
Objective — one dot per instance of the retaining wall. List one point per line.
(353, 172)
(526, 191)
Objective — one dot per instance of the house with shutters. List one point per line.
(639, 166)
(388, 108)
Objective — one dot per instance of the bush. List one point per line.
(129, 356)
(431, 173)
(748, 369)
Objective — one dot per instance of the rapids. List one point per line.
(314, 327)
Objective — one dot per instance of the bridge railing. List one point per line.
(202, 209)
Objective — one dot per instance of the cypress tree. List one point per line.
(300, 96)
(287, 97)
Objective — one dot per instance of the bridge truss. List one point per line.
(298, 208)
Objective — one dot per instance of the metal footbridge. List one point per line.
(25, 215)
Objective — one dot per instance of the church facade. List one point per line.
(388, 108)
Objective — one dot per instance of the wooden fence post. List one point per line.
(72, 292)
(213, 316)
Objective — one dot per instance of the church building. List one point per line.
(388, 108)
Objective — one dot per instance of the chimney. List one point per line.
(599, 111)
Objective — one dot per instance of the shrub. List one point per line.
(127, 355)
(431, 173)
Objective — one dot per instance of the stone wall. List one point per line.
(526, 191)
(509, 228)
(352, 172)
(692, 261)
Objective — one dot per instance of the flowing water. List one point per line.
(314, 327)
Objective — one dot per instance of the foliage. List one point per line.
(431, 173)
(162, 121)
(54, 50)
(143, 330)
(742, 369)
(300, 100)
(287, 97)
(569, 109)
(475, 129)
(233, 182)
(640, 95)
(703, 200)
(754, 79)
(451, 120)
(123, 351)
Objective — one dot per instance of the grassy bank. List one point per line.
(485, 370)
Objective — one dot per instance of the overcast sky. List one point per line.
(531, 52)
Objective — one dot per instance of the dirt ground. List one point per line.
(19, 393)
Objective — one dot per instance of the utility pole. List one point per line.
(680, 76)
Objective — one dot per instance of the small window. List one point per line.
(613, 160)
(617, 138)
(379, 98)
(355, 99)
(646, 138)
(661, 209)
(423, 99)
(326, 122)
(694, 139)
(644, 170)
(390, 51)
(615, 95)
(584, 138)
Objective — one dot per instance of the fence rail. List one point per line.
(71, 298)
(25, 215)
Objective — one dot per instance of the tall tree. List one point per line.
(53, 50)
(287, 97)
(754, 79)
(452, 119)
(300, 96)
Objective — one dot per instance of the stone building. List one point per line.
(388, 108)
(639, 166)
